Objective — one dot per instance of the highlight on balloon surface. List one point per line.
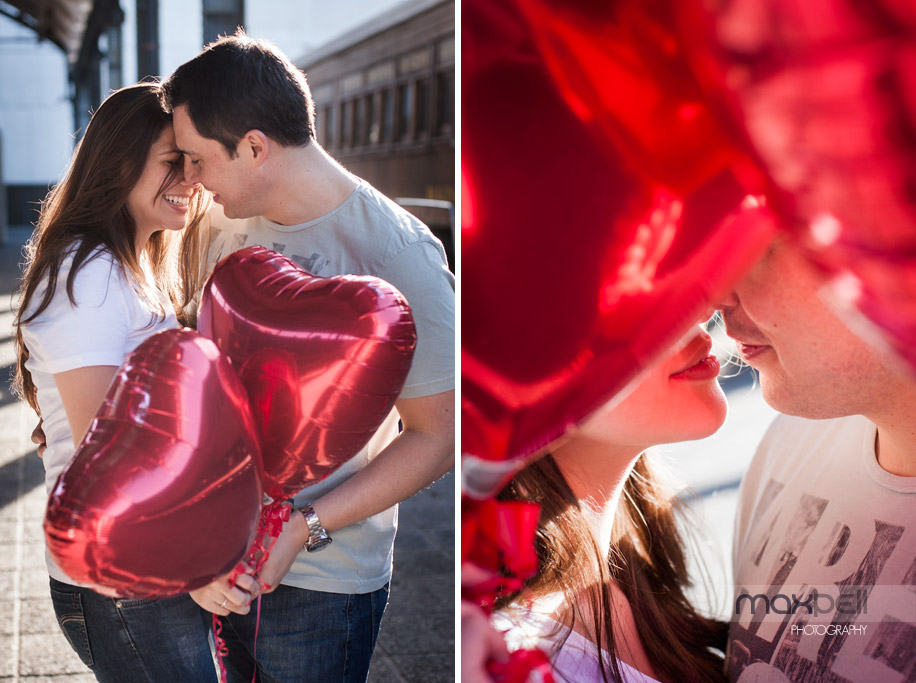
(605, 186)
(164, 492)
(323, 359)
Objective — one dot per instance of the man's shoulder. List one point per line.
(795, 444)
(384, 215)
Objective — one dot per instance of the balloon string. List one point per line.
(221, 649)
(270, 524)
(257, 624)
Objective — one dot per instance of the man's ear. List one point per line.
(256, 146)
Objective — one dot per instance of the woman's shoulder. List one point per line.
(98, 278)
(573, 657)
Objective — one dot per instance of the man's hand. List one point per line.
(39, 438)
(421, 453)
(221, 598)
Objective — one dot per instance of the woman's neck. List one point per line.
(596, 472)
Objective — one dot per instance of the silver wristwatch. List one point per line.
(318, 537)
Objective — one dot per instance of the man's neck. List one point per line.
(309, 185)
(895, 448)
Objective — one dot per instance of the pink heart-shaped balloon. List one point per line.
(323, 359)
(164, 492)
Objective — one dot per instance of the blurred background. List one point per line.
(382, 74)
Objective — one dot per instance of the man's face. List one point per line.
(207, 162)
(810, 363)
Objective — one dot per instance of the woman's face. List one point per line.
(152, 208)
(678, 399)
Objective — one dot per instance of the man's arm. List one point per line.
(421, 453)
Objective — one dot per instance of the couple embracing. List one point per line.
(168, 179)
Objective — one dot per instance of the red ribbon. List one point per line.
(524, 666)
(498, 536)
(270, 524)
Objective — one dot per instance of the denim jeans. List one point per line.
(141, 641)
(305, 636)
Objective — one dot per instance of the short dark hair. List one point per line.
(237, 84)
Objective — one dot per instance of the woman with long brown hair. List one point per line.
(608, 602)
(114, 259)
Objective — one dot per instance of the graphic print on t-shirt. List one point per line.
(825, 594)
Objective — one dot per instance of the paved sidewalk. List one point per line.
(417, 640)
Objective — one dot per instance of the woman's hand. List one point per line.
(220, 598)
(480, 643)
(39, 438)
(284, 551)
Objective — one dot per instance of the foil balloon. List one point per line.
(603, 171)
(829, 92)
(323, 359)
(164, 492)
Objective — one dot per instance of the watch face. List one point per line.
(319, 543)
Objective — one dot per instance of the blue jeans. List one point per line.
(305, 637)
(141, 641)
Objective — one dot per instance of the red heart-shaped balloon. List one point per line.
(323, 359)
(164, 492)
(597, 169)
(829, 87)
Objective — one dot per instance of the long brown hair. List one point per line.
(647, 560)
(87, 209)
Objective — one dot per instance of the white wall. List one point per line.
(181, 28)
(36, 118)
(129, 42)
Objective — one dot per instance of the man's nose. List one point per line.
(726, 300)
(191, 177)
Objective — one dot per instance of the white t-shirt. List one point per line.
(367, 234)
(817, 513)
(576, 660)
(107, 322)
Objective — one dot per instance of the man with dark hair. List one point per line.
(244, 120)
(825, 536)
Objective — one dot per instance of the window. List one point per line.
(445, 104)
(326, 127)
(371, 102)
(387, 115)
(422, 120)
(221, 17)
(346, 139)
(359, 135)
(339, 135)
(405, 104)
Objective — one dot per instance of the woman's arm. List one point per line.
(82, 391)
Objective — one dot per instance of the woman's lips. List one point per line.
(706, 368)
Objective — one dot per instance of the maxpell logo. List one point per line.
(849, 602)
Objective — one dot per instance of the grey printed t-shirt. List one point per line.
(825, 560)
(367, 234)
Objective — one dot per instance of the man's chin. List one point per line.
(795, 401)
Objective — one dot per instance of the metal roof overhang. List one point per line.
(72, 25)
